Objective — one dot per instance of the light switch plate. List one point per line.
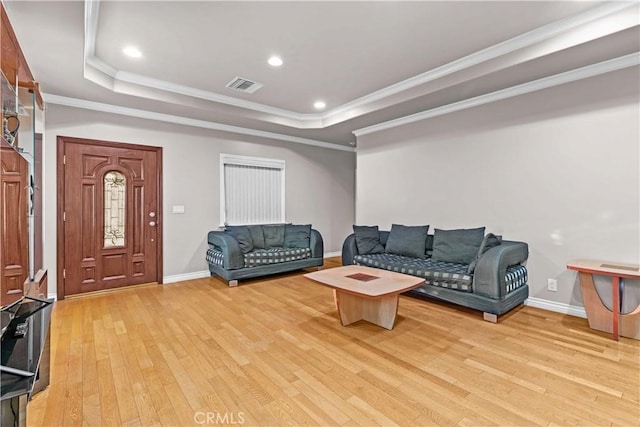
(179, 209)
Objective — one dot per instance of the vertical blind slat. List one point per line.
(253, 194)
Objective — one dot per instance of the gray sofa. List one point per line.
(243, 252)
(494, 281)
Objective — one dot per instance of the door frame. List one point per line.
(60, 203)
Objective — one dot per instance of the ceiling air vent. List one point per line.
(244, 85)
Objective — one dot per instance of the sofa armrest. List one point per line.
(229, 247)
(490, 272)
(349, 249)
(316, 244)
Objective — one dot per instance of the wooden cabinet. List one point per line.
(13, 222)
(20, 169)
(14, 65)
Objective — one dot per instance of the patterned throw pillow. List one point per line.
(489, 241)
(242, 235)
(368, 240)
(297, 236)
(459, 246)
(408, 241)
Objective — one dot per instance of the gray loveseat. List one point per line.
(491, 277)
(242, 252)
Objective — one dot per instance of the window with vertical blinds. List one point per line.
(251, 190)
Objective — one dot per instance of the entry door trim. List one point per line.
(60, 244)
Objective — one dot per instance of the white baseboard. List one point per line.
(558, 307)
(205, 273)
(186, 276)
(544, 304)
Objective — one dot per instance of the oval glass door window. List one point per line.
(115, 191)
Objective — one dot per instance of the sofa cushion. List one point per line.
(275, 256)
(436, 273)
(368, 239)
(406, 240)
(242, 235)
(273, 235)
(489, 241)
(297, 236)
(257, 235)
(429, 245)
(441, 274)
(458, 246)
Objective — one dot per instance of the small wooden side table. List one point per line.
(598, 315)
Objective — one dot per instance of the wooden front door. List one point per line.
(109, 226)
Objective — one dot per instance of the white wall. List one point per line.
(558, 169)
(319, 182)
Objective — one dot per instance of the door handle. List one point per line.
(152, 223)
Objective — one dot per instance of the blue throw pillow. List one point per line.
(410, 241)
(459, 246)
(297, 236)
(257, 235)
(273, 235)
(368, 239)
(489, 241)
(242, 235)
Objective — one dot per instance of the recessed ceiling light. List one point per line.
(275, 61)
(319, 105)
(132, 51)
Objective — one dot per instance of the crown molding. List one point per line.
(151, 82)
(168, 118)
(91, 12)
(105, 75)
(532, 86)
(94, 66)
(508, 46)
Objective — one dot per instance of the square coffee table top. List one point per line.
(365, 281)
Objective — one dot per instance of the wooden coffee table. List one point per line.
(365, 293)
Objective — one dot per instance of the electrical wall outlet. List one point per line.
(178, 209)
(552, 285)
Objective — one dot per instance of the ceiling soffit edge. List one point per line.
(186, 121)
(120, 81)
(510, 92)
(500, 49)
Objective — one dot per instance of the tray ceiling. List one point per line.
(371, 62)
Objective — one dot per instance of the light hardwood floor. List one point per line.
(272, 352)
